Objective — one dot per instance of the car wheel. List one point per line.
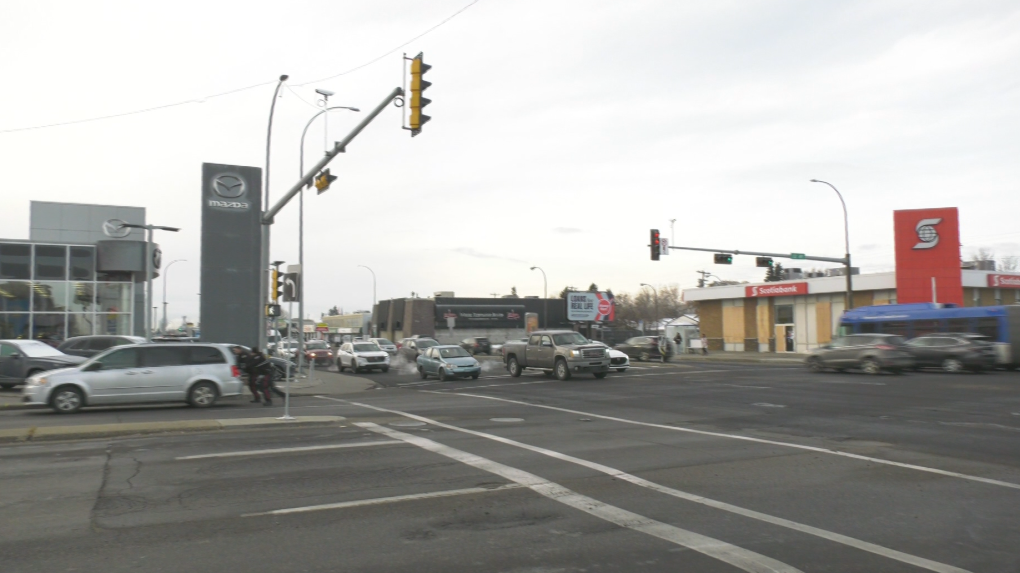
(442, 375)
(474, 376)
(645, 357)
(514, 367)
(385, 368)
(952, 365)
(600, 375)
(421, 372)
(202, 395)
(815, 365)
(562, 370)
(621, 369)
(340, 365)
(67, 400)
(6, 386)
(869, 366)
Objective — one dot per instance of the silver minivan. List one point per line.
(198, 374)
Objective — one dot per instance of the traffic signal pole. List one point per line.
(799, 257)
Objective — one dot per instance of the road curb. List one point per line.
(83, 432)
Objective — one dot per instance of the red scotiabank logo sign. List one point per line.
(1004, 281)
(786, 289)
(928, 256)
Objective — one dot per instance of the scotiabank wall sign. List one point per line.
(785, 289)
(1004, 281)
(928, 256)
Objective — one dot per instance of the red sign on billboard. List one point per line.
(1004, 281)
(785, 289)
(928, 256)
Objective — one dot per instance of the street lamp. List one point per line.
(656, 293)
(846, 233)
(545, 298)
(166, 271)
(301, 223)
(264, 274)
(148, 268)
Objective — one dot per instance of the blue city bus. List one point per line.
(1001, 324)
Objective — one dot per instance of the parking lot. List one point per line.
(707, 466)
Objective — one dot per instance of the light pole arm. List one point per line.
(301, 162)
(846, 236)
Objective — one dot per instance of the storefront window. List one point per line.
(50, 262)
(83, 263)
(80, 324)
(83, 297)
(14, 296)
(49, 296)
(113, 324)
(15, 261)
(113, 297)
(14, 325)
(784, 314)
(49, 326)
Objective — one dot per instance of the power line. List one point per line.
(237, 90)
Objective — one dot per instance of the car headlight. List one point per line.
(38, 380)
(361, 359)
(575, 353)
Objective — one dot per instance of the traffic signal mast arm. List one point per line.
(339, 147)
(798, 256)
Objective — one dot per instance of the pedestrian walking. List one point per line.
(704, 344)
(260, 372)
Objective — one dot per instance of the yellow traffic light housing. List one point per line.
(418, 85)
(323, 181)
(276, 288)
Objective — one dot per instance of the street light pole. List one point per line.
(656, 293)
(166, 271)
(148, 269)
(545, 298)
(264, 271)
(846, 233)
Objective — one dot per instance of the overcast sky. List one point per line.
(561, 131)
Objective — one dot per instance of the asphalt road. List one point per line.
(690, 467)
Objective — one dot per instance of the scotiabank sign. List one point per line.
(928, 256)
(785, 289)
(1004, 281)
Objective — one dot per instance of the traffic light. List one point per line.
(763, 262)
(276, 288)
(723, 259)
(656, 245)
(418, 85)
(323, 180)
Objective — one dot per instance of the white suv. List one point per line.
(198, 374)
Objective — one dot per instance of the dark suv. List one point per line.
(477, 345)
(871, 353)
(89, 346)
(952, 352)
(647, 348)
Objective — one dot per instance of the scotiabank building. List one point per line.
(802, 313)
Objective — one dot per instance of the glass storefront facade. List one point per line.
(54, 292)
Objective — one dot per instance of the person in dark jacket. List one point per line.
(260, 373)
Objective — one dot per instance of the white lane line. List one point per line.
(384, 500)
(744, 386)
(725, 552)
(682, 372)
(288, 450)
(746, 439)
(824, 534)
(499, 385)
(844, 382)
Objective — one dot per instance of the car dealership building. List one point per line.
(801, 314)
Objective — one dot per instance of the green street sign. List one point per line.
(798, 256)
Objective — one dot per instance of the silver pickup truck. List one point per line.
(559, 352)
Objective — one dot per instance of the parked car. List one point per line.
(618, 361)
(89, 346)
(559, 352)
(647, 348)
(410, 348)
(871, 353)
(22, 359)
(360, 356)
(477, 345)
(952, 352)
(198, 374)
(447, 361)
(177, 339)
(387, 345)
(286, 349)
(317, 352)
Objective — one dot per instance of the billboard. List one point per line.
(928, 256)
(479, 315)
(1004, 281)
(786, 289)
(231, 306)
(590, 307)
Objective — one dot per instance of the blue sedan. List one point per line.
(448, 362)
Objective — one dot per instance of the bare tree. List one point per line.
(1009, 263)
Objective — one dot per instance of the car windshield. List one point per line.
(366, 347)
(425, 343)
(383, 341)
(455, 352)
(568, 338)
(316, 345)
(35, 349)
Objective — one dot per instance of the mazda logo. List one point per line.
(228, 186)
(115, 229)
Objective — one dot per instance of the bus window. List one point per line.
(959, 325)
(897, 327)
(868, 327)
(988, 327)
(922, 327)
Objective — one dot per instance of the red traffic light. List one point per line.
(655, 244)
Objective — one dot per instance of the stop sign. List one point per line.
(604, 307)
